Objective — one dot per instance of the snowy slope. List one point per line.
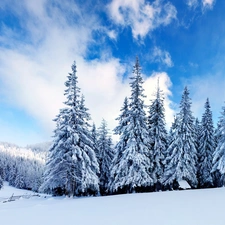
(193, 207)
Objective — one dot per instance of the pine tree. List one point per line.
(1, 176)
(72, 165)
(132, 165)
(106, 157)
(90, 181)
(158, 136)
(206, 148)
(219, 154)
(94, 137)
(181, 163)
(198, 129)
(216, 174)
(123, 118)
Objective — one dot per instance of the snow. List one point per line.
(184, 184)
(192, 207)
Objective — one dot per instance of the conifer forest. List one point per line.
(83, 160)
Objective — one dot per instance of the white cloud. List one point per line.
(192, 3)
(161, 56)
(208, 3)
(204, 4)
(141, 16)
(33, 73)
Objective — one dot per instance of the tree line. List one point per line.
(83, 161)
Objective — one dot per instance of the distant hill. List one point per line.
(36, 151)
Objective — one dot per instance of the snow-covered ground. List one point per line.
(192, 207)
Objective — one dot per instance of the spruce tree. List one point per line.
(132, 164)
(206, 148)
(123, 118)
(219, 154)
(2, 174)
(216, 174)
(105, 158)
(198, 129)
(72, 164)
(158, 136)
(1, 177)
(181, 163)
(94, 137)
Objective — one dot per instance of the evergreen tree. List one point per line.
(132, 164)
(90, 181)
(123, 118)
(72, 165)
(198, 129)
(106, 157)
(216, 174)
(181, 163)
(94, 136)
(119, 158)
(219, 154)
(158, 136)
(1, 176)
(206, 148)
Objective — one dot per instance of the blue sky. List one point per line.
(180, 41)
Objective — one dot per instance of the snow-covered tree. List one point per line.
(181, 163)
(132, 164)
(123, 118)
(118, 159)
(219, 154)
(206, 148)
(94, 137)
(21, 167)
(106, 156)
(72, 164)
(1, 176)
(158, 135)
(198, 129)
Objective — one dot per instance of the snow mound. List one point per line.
(183, 184)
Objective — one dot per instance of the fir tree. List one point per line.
(219, 154)
(123, 118)
(158, 136)
(198, 129)
(206, 148)
(72, 165)
(216, 174)
(1, 176)
(132, 165)
(106, 157)
(94, 136)
(181, 163)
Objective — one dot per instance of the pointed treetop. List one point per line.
(137, 68)
(74, 67)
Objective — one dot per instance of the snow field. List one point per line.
(192, 207)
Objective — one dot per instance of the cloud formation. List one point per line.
(141, 16)
(205, 4)
(34, 67)
(192, 3)
(161, 56)
(208, 3)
